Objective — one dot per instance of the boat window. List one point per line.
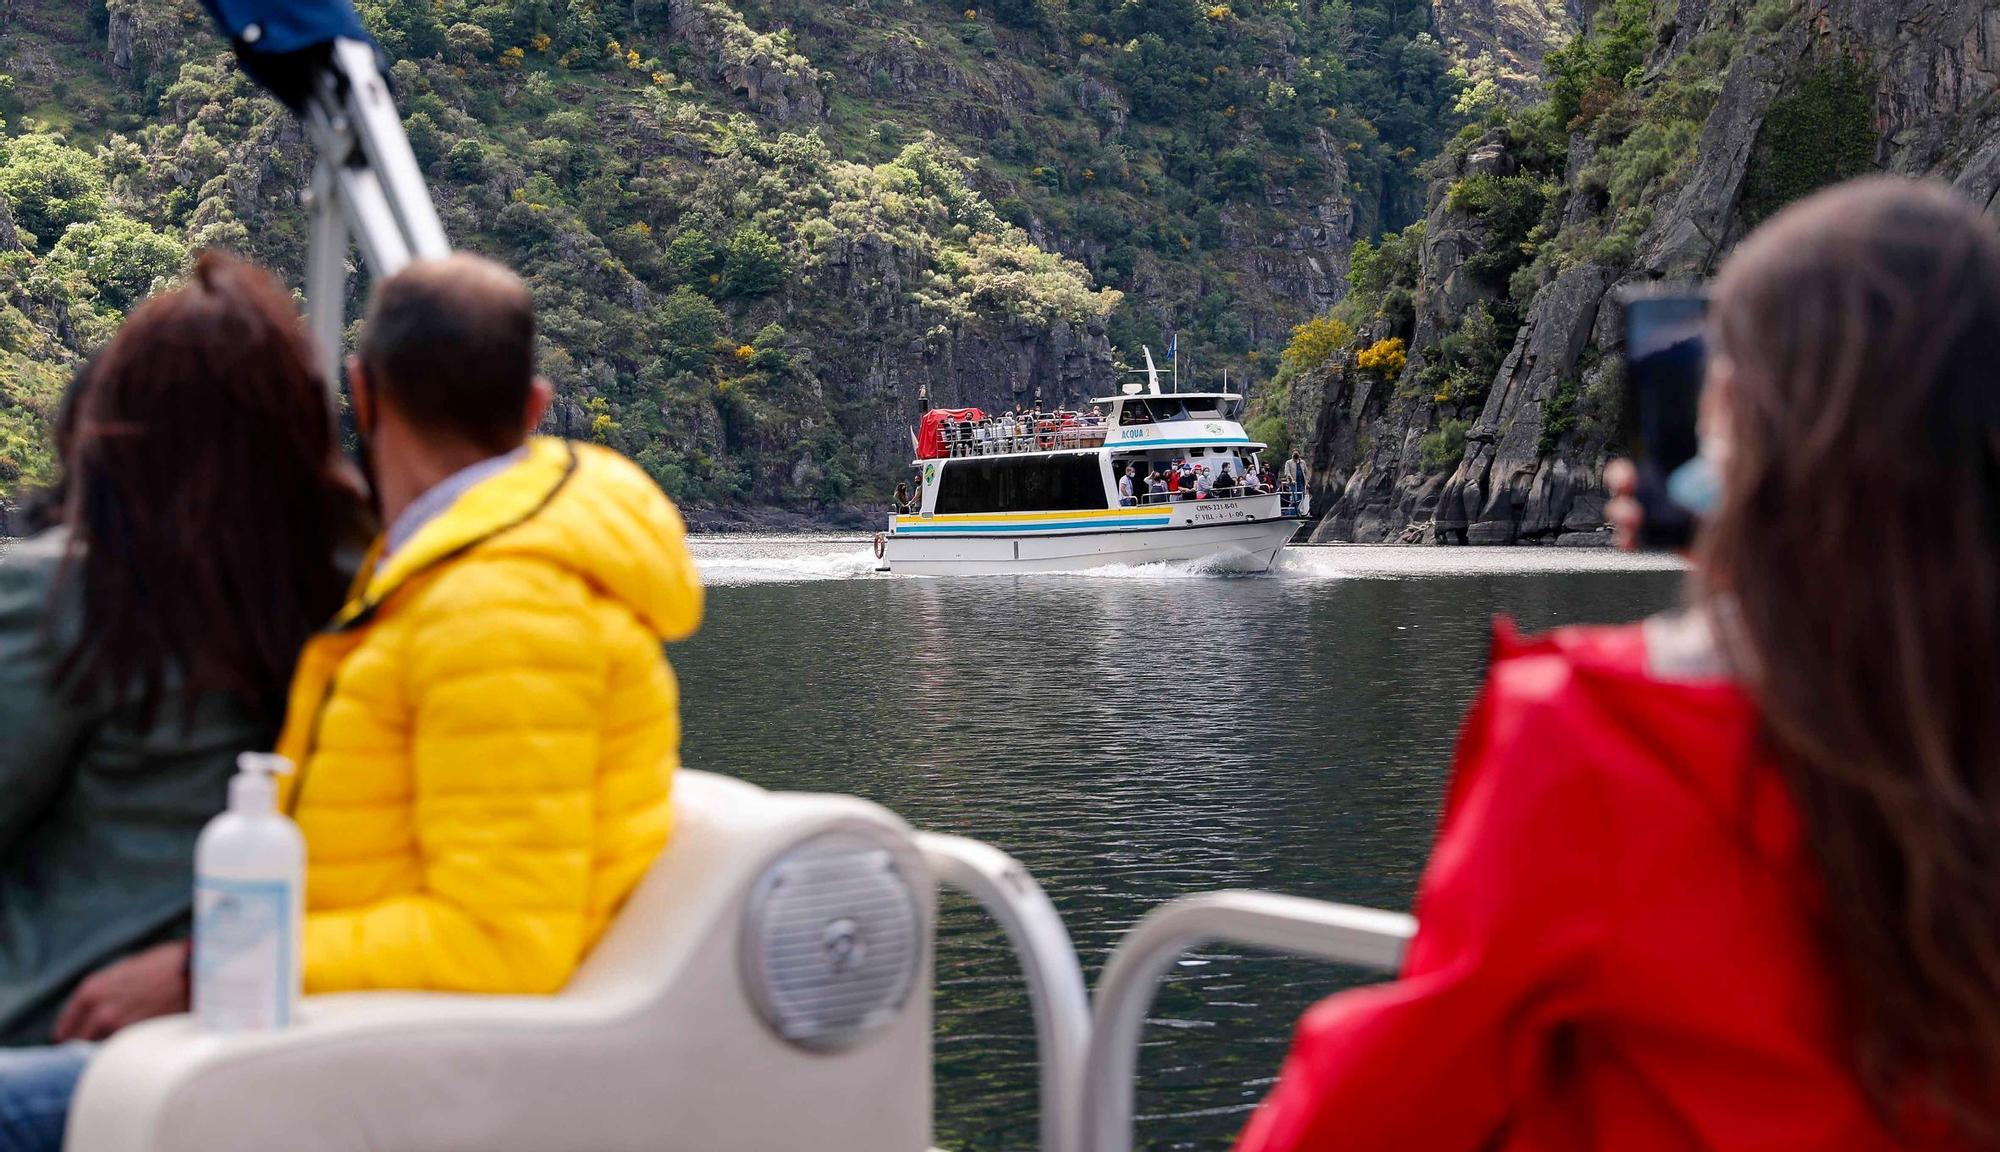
(1165, 410)
(1037, 484)
(1134, 412)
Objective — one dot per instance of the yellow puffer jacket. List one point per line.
(488, 731)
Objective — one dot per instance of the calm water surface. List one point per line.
(1130, 735)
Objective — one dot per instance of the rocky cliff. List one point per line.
(1654, 174)
(1504, 41)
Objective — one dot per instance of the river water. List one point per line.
(1129, 735)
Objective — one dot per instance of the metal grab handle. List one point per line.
(1368, 937)
(1048, 962)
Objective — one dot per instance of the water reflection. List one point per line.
(1129, 740)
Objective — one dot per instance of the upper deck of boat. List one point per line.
(1141, 422)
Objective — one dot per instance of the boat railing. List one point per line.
(1038, 436)
(1188, 496)
(1365, 937)
(1056, 994)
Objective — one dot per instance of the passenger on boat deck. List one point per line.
(523, 587)
(1726, 878)
(1225, 484)
(1127, 482)
(1204, 487)
(1173, 480)
(1156, 487)
(122, 709)
(902, 499)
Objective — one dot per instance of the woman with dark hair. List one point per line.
(149, 637)
(1731, 878)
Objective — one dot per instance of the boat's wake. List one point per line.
(740, 560)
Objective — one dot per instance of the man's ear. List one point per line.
(540, 395)
(361, 390)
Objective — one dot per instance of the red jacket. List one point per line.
(1616, 945)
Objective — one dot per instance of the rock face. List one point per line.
(773, 80)
(1505, 40)
(1531, 466)
(986, 363)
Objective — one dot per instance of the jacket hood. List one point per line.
(1644, 711)
(578, 506)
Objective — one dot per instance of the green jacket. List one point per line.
(98, 812)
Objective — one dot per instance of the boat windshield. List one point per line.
(1175, 408)
(1167, 409)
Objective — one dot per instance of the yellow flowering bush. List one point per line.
(1384, 356)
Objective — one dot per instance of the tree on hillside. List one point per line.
(49, 185)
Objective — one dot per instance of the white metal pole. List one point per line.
(326, 275)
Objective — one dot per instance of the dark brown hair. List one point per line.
(203, 497)
(1859, 541)
(451, 345)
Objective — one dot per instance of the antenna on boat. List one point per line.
(923, 396)
(1152, 376)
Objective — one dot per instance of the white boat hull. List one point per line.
(1250, 544)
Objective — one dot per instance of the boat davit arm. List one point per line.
(366, 186)
(1365, 937)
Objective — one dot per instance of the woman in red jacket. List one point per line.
(1731, 879)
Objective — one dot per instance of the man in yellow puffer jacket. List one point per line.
(487, 733)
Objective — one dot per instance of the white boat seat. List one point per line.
(657, 1043)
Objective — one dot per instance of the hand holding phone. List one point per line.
(1665, 361)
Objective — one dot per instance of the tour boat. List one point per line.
(1041, 493)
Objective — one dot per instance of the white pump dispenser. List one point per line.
(249, 895)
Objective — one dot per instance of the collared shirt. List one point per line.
(443, 495)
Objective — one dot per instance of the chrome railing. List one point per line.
(1056, 993)
(1045, 437)
(1189, 496)
(1366, 937)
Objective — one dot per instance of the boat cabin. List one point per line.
(971, 463)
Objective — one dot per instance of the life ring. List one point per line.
(881, 545)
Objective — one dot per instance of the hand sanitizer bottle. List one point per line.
(249, 890)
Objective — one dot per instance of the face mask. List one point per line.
(1697, 484)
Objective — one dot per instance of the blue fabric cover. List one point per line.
(285, 25)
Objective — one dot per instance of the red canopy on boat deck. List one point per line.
(930, 434)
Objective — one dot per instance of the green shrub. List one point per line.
(1820, 134)
(1558, 415)
(1584, 72)
(50, 186)
(1445, 445)
(753, 264)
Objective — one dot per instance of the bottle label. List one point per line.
(242, 971)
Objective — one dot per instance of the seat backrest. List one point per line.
(663, 1040)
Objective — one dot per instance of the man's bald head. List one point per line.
(450, 344)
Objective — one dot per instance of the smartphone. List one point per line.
(1664, 363)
